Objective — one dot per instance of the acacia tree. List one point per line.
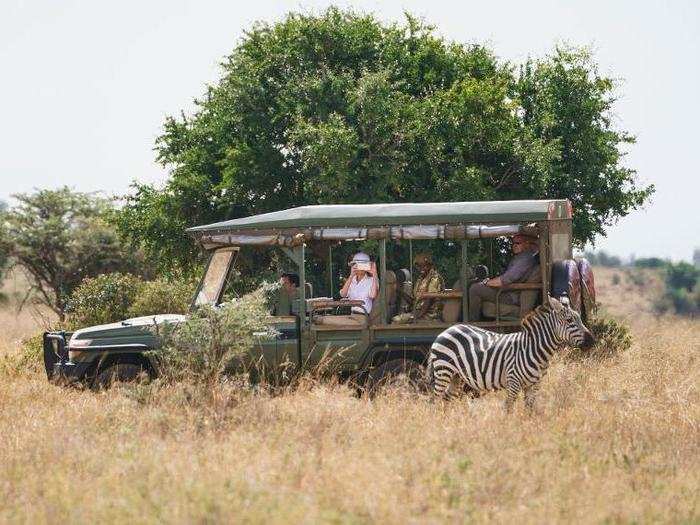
(340, 108)
(59, 237)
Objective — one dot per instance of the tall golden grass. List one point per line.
(612, 440)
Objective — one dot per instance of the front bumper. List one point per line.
(58, 367)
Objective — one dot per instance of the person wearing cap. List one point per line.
(524, 260)
(361, 285)
(429, 280)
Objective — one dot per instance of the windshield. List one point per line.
(214, 278)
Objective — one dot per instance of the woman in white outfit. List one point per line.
(361, 285)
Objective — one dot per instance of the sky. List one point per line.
(85, 86)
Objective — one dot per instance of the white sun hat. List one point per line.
(361, 261)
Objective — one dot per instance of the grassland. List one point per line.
(613, 440)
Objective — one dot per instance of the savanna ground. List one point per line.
(614, 440)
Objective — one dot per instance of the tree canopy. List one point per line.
(58, 237)
(341, 108)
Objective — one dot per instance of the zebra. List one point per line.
(485, 360)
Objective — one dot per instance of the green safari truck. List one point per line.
(376, 349)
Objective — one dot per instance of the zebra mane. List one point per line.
(541, 311)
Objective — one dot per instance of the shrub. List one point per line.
(612, 337)
(682, 276)
(103, 299)
(210, 341)
(616, 279)
(28, 358)
(161, 296)
(650, 262)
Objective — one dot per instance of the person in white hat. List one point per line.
(361, 285)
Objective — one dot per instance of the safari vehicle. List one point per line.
(379, 348)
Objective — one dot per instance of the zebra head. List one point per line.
(568, 325)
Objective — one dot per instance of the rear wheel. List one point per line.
(119, 373)
(396, 373)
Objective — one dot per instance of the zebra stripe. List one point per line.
(483, 360)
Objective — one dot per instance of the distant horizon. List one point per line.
(91, 85)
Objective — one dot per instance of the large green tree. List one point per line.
(340, 108)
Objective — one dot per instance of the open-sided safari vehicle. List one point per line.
(378, 347)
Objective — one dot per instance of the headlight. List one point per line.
(79, 343)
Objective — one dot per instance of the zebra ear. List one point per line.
(556, 305)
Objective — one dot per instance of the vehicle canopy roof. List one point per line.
(430, 220)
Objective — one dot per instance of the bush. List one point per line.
(103, 299)
(28, 358)
(210, 341)
(611, 336)
(650, 262)
(682, 275)
(163, 297)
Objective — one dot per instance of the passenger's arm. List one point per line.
(494, 282)
(346, 286)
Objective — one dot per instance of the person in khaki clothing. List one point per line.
(430, 280)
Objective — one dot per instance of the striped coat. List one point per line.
(483, 360)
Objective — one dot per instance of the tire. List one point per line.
(397, 373)
(119, 373)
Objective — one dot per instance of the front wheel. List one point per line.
(396, 373)
(119, 373)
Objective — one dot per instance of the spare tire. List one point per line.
(588, 304)
(566, 282)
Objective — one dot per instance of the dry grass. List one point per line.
(616, 440)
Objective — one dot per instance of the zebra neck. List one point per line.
(539, 333)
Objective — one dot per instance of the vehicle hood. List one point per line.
(137, 330)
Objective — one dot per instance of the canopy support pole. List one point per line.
(463, 283)
(382, 280)
(300, 254)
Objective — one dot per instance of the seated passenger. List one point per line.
(287, 299)
(525, 251)
(429, 280)
(361, 285)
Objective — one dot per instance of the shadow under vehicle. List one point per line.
(378, 348)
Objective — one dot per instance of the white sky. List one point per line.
(85, 86)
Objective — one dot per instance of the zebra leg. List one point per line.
(442, 380)
(513, 387)
(530, 395)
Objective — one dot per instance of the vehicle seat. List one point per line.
(452, 308)
(528, 300)
(374, 315)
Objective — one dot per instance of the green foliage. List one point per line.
(29, 357)
(208, 342)
(612, 337)
(682, 276)
(114, 297)
(339, 107)
(682, 290)
(163, 296)
(650, 262)
(60, 237)
(103, 299)
(601, 258)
